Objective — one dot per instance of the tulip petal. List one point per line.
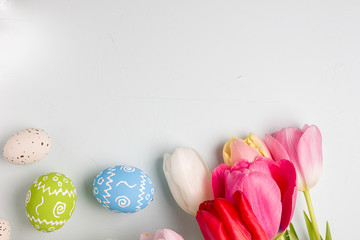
(289, 139)
(305, 127)
(188, 178)
(211, 227)
(173, 186)
(227, 152)
(276, 149)
(256, 142)
(261, 164)
(167, 234)
(147, 236)
(248, 217)
(230, 219)
(240, 165)
(233, 182)
(284, 174)
(310, 156)
(264, 197)
(241, 150)
(217, 179)
(279, 151)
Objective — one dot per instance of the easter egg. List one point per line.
(50, 202)
(124, 189)
(4, 229)
(27, 146)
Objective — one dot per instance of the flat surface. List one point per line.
(123, 82)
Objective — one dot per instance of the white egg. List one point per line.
(27, 146)
(4, 229)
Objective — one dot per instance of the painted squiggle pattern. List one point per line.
(111, 173)
(127, 168)
(123, 201)
(28, 197)
(38, 220)
(72, 209)
(42, 201)
(59, 209)
(142, 191)
(39, 185)
(124, 182)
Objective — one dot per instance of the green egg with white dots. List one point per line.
(50, 202)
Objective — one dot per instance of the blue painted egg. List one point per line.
(124, 189)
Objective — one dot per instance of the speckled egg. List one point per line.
(4, 229)
(124, 189)
(50, 202)
(27, 146)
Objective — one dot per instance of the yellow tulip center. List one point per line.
(251, 143)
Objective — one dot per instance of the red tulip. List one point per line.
(269, 186)
(221, 219)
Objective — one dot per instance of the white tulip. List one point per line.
(188, 177)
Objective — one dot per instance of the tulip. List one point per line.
(220, 219)
(237, 149)
(269, 186)
(303, 148)
(188, 178)
(163, 234)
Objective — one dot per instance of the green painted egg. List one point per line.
(50, 202)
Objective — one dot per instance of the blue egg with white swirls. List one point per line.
(123, 188)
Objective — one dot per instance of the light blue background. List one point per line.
(123, 82)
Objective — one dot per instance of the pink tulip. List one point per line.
(303, 148)
(163, 234)
(269, 186)
(237, 149)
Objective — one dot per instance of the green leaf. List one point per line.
(292, 230)
(291, 235)
(281, 236)
(286, 236)
(328, 234)
(309, 227)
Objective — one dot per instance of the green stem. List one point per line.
(312, 214)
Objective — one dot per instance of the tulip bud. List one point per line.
(248, 149)
(257, 143)
(188, 178)
(303, 148)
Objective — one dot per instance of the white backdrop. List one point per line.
(123, 82)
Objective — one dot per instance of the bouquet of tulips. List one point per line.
(252, 195)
